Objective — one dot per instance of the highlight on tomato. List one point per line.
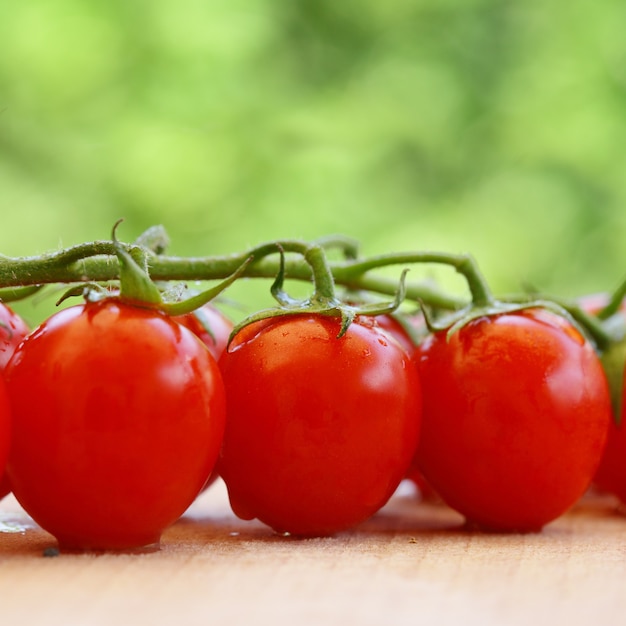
(515, 418)
(320, 430)
(118, 417)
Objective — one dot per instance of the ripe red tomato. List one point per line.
(516, 411)
(118, 417)
(12, 330)
(320, 430)
(208, 317)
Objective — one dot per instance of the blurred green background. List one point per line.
(484, 126)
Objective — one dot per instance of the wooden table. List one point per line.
(411, 564)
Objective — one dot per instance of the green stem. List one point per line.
(97, 262)
(323, 280)
(348, 247)
(463, 264)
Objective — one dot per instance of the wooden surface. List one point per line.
(411, 564)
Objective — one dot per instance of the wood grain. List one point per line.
(413, 563)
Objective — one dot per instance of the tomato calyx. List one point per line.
(135, 285)
(453, 322)
(323, 301)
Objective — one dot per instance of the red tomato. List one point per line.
(516, 411)
(118, 417)
(12, 330)
(205, 319)
(319, 431)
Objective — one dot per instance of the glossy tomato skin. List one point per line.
(516, 411)
(320, 430)
(209, 317)
(12, 330)
(118, 416)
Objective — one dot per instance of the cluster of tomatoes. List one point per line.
(114, 417)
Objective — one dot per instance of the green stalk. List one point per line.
(464, 264)
(97, 262)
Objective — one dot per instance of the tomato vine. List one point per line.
(328, 361)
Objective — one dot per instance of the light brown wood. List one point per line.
(411, 564)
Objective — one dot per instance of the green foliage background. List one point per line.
(485, 126)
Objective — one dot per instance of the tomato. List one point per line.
(320, 430)
(211, 325)
(118, 417)
(516, 411)
(12, 330)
